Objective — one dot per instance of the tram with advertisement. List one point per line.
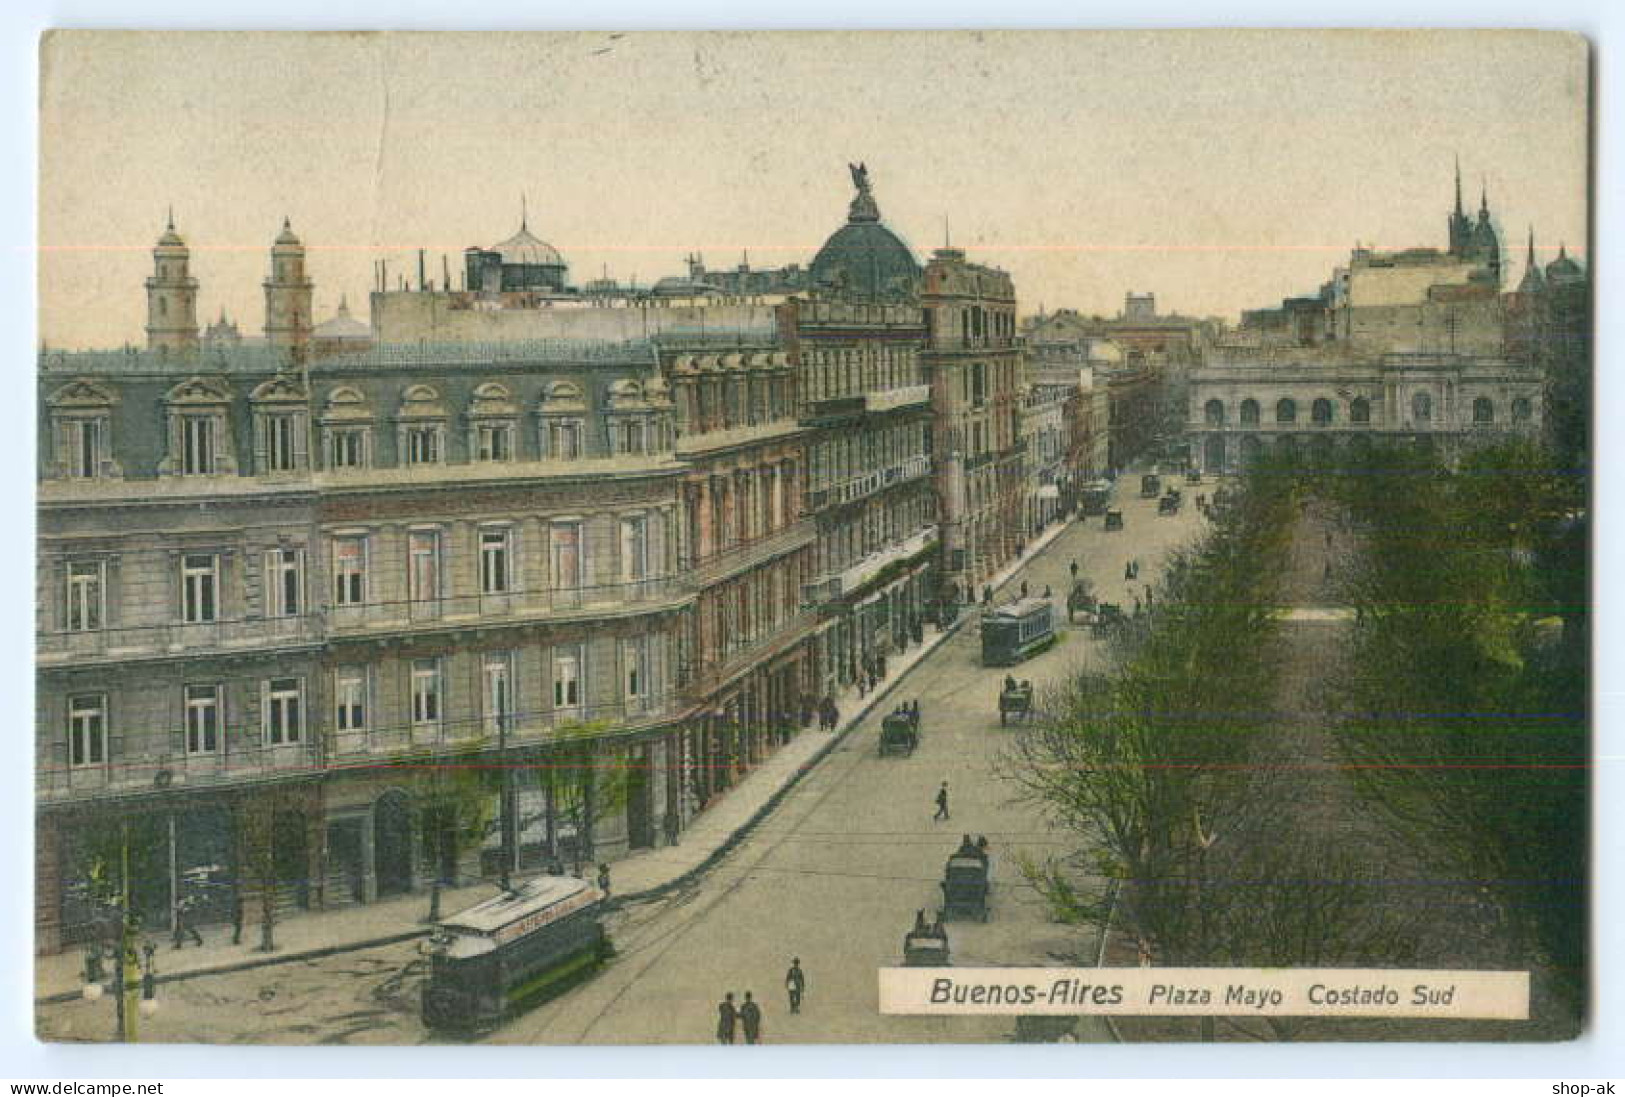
(501, 956)
(1017, 631)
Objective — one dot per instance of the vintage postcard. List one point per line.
(657, 538)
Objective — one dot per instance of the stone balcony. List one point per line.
(834, 586)
(894, 399)
(862, 486)
(177, 640)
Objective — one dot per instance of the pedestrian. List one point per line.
(1128, 571)
(183, 926)
(1046, 590)
(727, 1015)
(1074, 569)
(1009, 683)
(236, 915)
(795, 982)
(750, 1015)
(603, 879)
(987, 594)
(1024, 588)
(942, 803)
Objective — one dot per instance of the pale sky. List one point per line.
(1221, 170)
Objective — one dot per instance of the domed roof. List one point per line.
(342, 325)
(286, 237)
(1563, 269)
(864, 257)
(523, 249)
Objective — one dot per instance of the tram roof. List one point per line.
(1021, 607)
(535, 903)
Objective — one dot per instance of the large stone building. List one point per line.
(978, 388)
(1412, 346)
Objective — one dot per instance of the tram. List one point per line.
(501, 956)
(1017, 631)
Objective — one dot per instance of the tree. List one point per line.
(456, 811)
(584, 782)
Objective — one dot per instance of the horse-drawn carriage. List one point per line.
(1169, 504)
(900, 731)
(1080, 599)
(1114, 520)
(926, 945)
(1015, 701)
(965, 881)
(1150, 486)
(1108, 615)
(1193, 476)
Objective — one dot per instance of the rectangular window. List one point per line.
(632, 436)
(634, 549)
(495, 558)
(197, 445)
(567, 680)
(279, 443)
(350, 698)
(347, 448)
(497, 673)
(349, 571)
(426, 705)
(202, 719)
(284, 582)
(423, 446)
(87, 729)
(82, 443)
(284, 705)
(200, 586)
(635, 661)
(566, 555)
(564, 439)
(423, 566)
(86, 594)
(495, 442)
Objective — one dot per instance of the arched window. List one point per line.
(1249, 413)
(1422, 408)
(1321, 412)
(1286, 410)
(1521, 410)
(1213, 411)
(1250, 449)
(1360, 410)
(1483, 410)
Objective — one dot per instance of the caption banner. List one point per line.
(1209, 992)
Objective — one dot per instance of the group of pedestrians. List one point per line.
(746, 1016)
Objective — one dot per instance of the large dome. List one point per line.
(867, 259)
(523, 250)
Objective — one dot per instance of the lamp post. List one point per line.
(121, 949)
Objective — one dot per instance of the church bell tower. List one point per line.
(172, 296)
(288, 295)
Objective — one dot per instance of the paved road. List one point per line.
(833, 876)
(836, 874)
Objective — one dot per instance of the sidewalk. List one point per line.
(647, 875)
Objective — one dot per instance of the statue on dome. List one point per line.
(863, 206)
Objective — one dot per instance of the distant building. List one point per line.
(341, 334)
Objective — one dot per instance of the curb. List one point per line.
(726, 846)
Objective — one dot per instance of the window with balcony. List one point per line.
(497, 680)
(427, 708)
(1249, 413)
(423, 445)
(347, 423)
(563, 439)
(82, 444)
(567, 697)
(422, 426)
(1213, 413)
(87, 729)
(1286, 410)
(81, 414)
(1320, 412)
(86, 595)
(349, 571)
(284, 582)
(566, 555)
(1422, 408)
(635, 666)
(203, 720)
(198, 441)
(1483, 411)
(199, 435)
(283, 711)
(494, 442)
(634, 549)
(350, 694)
(200, 588)
(492, 415)
(1360, 410)
(282, 441)
(423, 565)
(496, 560)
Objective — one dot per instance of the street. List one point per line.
(834, 877)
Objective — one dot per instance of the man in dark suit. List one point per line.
(750, 1015)
(795, 981)
(726, 1016)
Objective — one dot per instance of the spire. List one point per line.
(1458, 184)
(171, 222)
(524, 213)
(1531, 259)
(1484, 199)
